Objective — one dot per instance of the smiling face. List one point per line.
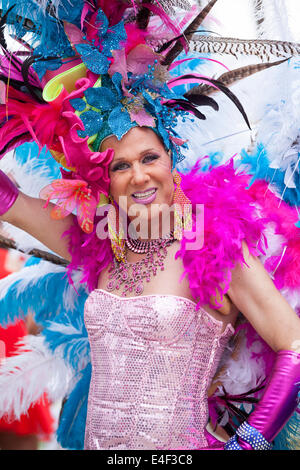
(140, 173)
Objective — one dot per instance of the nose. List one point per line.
(139, 175)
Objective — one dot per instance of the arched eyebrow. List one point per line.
(141, 154)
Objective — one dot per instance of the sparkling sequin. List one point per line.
(102, 23)
(250, 435)
(153, 358)
(94, 60)
(92, 121)
(101, 98)
(78, 104)
(114, 37)
(117, 81)
(119, 121)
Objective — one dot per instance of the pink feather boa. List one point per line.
(88, 253)
(233, 214)
(231, 218)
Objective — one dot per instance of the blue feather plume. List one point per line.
(47, 35)
(39, 160)
(42, 296)
(68, 333)
(289, 437)
(257, 165)
(71, 429)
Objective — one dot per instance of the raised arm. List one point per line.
(28, 214)
(255, 295)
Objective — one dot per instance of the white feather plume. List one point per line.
(279, 129)
(272, 19)
(24, 378)
(23, 240)
(242, 373)
(55, 4)
(29, 176)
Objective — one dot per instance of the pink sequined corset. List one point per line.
(153, 358)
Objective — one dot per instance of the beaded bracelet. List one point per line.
(250, 435)
(232, 444)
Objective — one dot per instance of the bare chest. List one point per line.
(167, 279)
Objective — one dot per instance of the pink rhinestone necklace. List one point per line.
(131, 276)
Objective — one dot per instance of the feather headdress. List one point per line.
(87, 71)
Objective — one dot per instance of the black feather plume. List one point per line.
(185, 35)
(143, 15)
(202, 100)
(177, 48)
(35, 92)
(222, 88)
(186, 106)
(26, 136)
(21, 69)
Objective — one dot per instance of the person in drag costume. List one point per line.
(140, 335)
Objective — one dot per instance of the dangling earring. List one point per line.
(182, 209)
(116, 231)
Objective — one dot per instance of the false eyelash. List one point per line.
(117, 167)
(151, 155)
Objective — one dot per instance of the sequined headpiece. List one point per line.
(89, 69)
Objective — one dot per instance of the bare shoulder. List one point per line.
(253, 292)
